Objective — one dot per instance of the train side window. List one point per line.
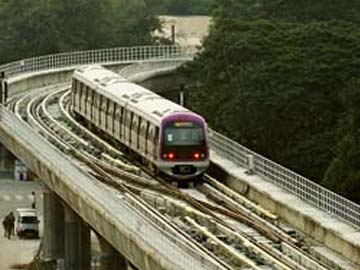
(93, 97)
(116, 118)
(121, 117)
(142, 131)
(135, 123)
(143, 127)
(96, 100)
(156, 141)
(73, 93)
(109, 113)
(107, 106)
(92, 104)
(97, 108)
(146, 136)
(135, 127)
(124, 117)
(110, 108)
(100, 108)
(89, 96)
(128, 118)
(87, 93)
(113, 116)
(80, 95)
(103, 104)
(151, 133)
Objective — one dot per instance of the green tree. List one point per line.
(307, 11)
(188, 7)
(289, 10)
(27, 29)
(82, 23)
(275, 86)
(343, 174)
(37, 27)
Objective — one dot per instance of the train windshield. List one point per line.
(184, 133)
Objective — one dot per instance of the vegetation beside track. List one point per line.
(281, 77)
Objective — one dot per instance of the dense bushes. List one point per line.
(284, 86)
(188, 7)
(35, 27)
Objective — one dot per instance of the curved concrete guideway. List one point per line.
(139, 241)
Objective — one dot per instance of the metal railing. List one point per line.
(292, 182)
(194, 259)
(117, 211)
(102, 56)
(285, 178)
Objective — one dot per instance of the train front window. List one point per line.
(183, 133)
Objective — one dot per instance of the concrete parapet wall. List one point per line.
(83, 196)
(157, 80)
(49, 167)
(326, 229)
(39, 79)
(27, 81)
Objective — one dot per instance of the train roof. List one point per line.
(141, 100)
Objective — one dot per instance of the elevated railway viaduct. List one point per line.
(77, 203)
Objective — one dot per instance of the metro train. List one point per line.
(167, 137)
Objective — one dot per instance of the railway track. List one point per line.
(210, 217)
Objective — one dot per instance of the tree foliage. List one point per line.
(275, 86)
(289, 10)
(188, 7)
(36, 27)
(343, 174)
(281, 77)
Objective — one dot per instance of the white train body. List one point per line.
(160, 131)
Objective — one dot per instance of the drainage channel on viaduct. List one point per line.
(76, 203)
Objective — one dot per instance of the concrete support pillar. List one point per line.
(6, 161)
(2, 157)
(111, 259)
(77, 242)
(53, 239)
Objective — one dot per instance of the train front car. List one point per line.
(183, 148)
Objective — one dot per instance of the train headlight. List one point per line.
(170, 156)
(196, 155)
